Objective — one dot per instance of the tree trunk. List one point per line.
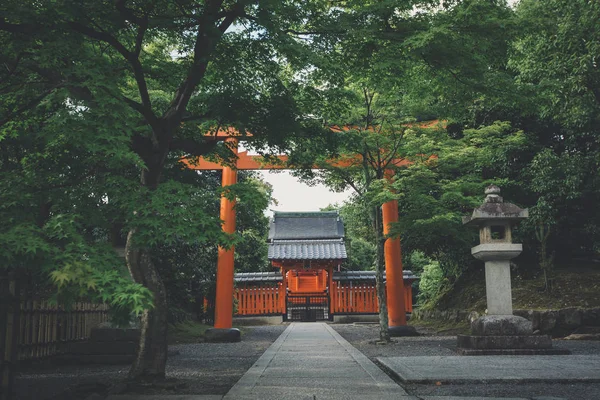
(151, 358)
(384, 334)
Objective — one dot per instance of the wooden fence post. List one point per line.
(9, 332)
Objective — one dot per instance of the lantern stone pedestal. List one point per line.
(500, 332)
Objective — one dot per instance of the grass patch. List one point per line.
(191, 332)
(573, 285)
(187, 332)
(442, 328)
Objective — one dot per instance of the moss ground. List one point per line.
(187, 332)
(191, 332)
(573, 285)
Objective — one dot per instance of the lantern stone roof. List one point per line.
(495, 209)
(307, 236)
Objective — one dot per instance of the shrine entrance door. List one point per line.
(308, 307)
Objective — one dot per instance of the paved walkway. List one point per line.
(495, 369)
(312, 361)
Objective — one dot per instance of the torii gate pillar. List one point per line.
(393, 272)
(222, 331)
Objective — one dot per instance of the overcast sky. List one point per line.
(293, 195)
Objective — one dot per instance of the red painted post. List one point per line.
(393, 268)
(224, 295)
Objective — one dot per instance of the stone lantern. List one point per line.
(500, 332)
(494, 218)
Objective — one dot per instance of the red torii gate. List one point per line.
(223, 330)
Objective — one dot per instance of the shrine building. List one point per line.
(308, 249)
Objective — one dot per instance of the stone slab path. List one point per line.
(312, 361)
(495, 369)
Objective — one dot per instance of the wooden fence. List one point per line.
(268, 300)
(35, 329)
(44, 328)
(344, 299)
(360, 299)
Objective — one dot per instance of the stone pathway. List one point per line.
(495, 369)
(312, 361)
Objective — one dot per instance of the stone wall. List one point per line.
(557, 323)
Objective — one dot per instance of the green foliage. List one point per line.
(431, 283)
(436, 192)
(556, 56)
(361, 254)
(110, 286)
(97, 111)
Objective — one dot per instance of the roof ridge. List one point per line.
(300, 214)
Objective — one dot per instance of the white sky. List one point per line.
(293, 195)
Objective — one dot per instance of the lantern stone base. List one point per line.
(501, 325)
(512, 352)
(504, 335)
(402, 330)
(223, 335)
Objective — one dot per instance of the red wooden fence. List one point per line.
(359, 299)
(260, 300)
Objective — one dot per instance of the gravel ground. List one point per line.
(199, 368)
(362, 337)
(212, 368)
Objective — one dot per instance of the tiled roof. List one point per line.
(307, 250)
(366, 275)
(306, 225)
(274, 276)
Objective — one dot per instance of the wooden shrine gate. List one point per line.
(308, 307)
(350, 293)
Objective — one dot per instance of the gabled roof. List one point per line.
(344, 276)
(367, 275)
(306, 225)
(273, 276)
(328, 249)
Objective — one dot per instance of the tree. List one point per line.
(555, 61)
(144, 82)
(369, 147)
(188, 266)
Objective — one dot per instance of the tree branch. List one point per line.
(139, 40)
(127, 13)
(191, 118)
(135, 64)
(193, 147)
(27, 106)
(230, 16)
(349, 181)
(205, 43)
(18, 28)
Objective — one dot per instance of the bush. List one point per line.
(431, 283)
